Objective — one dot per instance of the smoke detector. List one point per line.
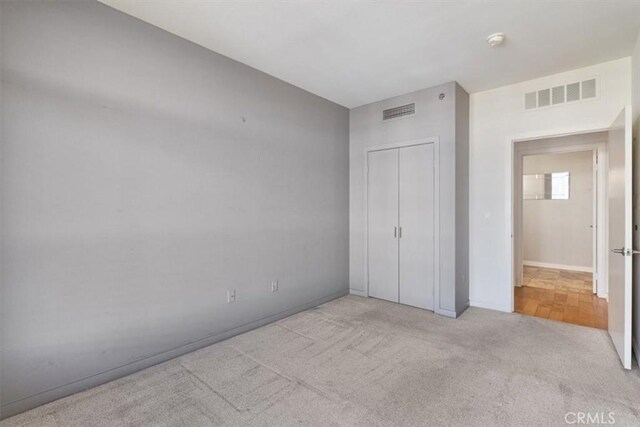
(496, 39)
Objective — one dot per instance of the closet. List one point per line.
(409, 204)
(400, 212)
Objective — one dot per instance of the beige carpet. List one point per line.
(357, 361)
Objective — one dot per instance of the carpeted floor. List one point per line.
(357, 361)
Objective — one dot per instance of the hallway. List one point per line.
(566, 296)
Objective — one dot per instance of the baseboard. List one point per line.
(462, 309)
(30, 402)
(445, 312)
(558, 266)
(454, 314)
(358, 292)
(490, 306)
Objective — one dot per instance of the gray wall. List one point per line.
(462, 198)
(448, 120)
(142, 177)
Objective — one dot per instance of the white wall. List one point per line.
(635, 77)
(559, 232)
(498, 115)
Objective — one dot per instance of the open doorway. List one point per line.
(560, 214)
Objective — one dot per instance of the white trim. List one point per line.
(509, 192)
(449, 313)
(488, 305)
(627, 359)
(558, 266)
(600, 203)
(596, 177)
(436, 217)
(401, 144)
(357, 292)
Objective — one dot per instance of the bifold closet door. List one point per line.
(382, 211)
(416, 213)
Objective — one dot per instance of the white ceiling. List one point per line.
(354, 53)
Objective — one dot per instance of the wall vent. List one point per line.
(557, 95)
(395, 112)
(544, 98)
(571, 92)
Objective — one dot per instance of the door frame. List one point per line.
(598, 206)
(510, 197)
(436, 217)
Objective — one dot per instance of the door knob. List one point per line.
(625, 252)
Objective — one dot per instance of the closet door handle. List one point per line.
(395, 232)
(400, 232)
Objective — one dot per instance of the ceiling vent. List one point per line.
(402, 111)
(571, 92)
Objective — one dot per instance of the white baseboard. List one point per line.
(357, 292)
(558, 266)
(444, 312)
(489, 306)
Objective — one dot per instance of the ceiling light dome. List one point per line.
(496, 39)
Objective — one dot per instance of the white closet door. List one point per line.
(382, 201)
(417, 246)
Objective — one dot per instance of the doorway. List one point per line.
(615, 203)
(559, 224)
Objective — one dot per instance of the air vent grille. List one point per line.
(395, 112)
(571, 92)
(557, 95)
(544, 98)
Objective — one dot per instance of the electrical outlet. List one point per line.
(231, 296)
(274, 286)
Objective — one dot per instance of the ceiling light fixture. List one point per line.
(496, 39)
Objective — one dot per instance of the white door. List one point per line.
(620, 235)
(416, 232)
(382, 208)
